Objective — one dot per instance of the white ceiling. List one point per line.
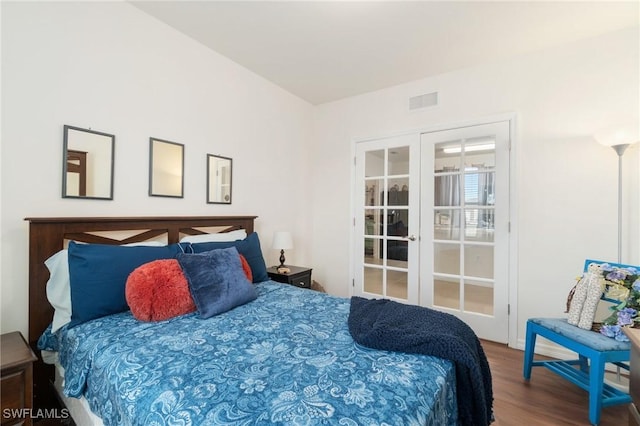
(322, 51)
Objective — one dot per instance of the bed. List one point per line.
(286, 357)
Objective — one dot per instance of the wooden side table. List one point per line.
(298, 276)
(16, 383)
(634, 381)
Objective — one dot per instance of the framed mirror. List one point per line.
(219, 173)
(87, 164)
(166, 168)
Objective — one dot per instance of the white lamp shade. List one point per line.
(282, 240)
(624, 134)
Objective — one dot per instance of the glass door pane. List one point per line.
(385, 217)
(459, 204)
(386, 221)
(463, 179)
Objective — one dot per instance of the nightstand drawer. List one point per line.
(297, 276)
(301, 280)
(12, 394)
(16, 382)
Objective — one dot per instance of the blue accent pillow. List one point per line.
(98, 275)
(249, 248)
(216, 280)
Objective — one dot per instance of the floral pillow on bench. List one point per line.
(622, 285)
(615, 283)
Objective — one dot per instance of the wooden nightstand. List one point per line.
(299, 276)
(16, 384)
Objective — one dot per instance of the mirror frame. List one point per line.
(210, 176)
(65, 156)
(153, 140)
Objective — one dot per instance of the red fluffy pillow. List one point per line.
(158, 290)
(246, 268)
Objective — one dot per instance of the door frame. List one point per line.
(511, 118)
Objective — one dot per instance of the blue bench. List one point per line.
(594, 352)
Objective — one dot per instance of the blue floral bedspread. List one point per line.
(285, 358)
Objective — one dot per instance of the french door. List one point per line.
(431, 223)
(387, 218)
(464, 251)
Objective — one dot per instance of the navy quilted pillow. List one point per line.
(249, 248)
(216, 280)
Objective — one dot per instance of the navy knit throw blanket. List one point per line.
(388, 325)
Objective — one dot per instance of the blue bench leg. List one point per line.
(596, 385)
(530, 345)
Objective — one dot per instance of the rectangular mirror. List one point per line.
(218, 179)
(87, 166)
(166, 168)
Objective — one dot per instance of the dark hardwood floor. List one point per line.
(546, 399)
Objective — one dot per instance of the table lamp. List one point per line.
(282, 241)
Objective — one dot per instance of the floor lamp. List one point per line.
(619, 138)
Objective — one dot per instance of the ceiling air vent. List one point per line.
(423, 101)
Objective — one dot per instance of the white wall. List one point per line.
(110, 67)
(566, 201)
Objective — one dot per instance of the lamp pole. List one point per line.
(619, 149)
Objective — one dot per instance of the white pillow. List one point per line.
(239, 234)
(59, 286)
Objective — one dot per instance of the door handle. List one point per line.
(410, 237)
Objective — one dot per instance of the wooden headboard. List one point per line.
(47, 236)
